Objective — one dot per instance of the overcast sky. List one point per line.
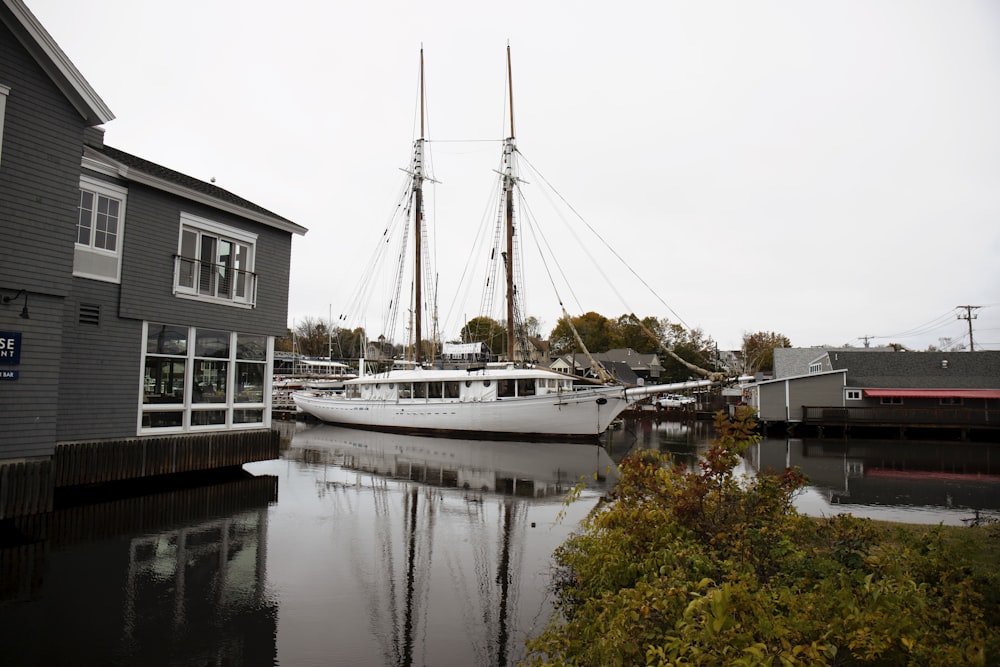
(826, 170)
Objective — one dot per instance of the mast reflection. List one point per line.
(412, 566)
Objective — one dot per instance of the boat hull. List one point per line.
(578, 415)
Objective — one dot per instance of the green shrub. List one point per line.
(700, 567)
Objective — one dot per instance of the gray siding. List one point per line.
(39, 191)
(783, 400)
(39, 176)
(28, 404)
(99, 392)
(152, 229)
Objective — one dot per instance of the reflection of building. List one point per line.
(890, 472)
(176, 577)
(136, 301)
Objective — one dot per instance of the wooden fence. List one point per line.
(27, 487)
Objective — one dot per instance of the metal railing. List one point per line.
(216, 281)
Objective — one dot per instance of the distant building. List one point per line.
(864, 387)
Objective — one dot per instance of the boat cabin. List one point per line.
(460, 387)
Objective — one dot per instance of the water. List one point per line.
(358, 548)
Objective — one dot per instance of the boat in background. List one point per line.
(501, 400)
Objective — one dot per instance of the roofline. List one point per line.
(37, 40)
(141, 177)
(800, 377)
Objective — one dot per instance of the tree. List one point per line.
(758, 350)
(691, 345)
(644, 336)
(596, 331)
(486, 330)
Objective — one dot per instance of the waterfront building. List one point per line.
(138, 305)
(843, 391)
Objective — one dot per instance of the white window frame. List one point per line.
(204, 227)
(4, 92)
(189, 405)
(82, 251)
(852, 394)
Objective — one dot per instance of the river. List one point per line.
(358, 548)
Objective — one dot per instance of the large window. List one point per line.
(203, 379)
(99, 226)
(215, 262)
(4, 92)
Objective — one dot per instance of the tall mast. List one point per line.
(508, 181)
(418, 205)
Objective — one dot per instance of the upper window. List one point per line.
(215, 262)
(99, 226)
(4, 92)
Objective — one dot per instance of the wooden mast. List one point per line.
(418, 205)
(509, 213)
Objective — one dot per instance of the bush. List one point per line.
(700, 567)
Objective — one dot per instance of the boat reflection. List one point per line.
(524, 469)
(443, 543)
(893, 480)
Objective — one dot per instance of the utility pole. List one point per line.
(866, 339)
(969, 316)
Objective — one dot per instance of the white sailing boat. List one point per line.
(486, 401)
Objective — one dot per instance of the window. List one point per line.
(892, 400)
(4, 92)
(203, 379)
(215, 263)
(99, 228)
(853, 394)
(950, 400)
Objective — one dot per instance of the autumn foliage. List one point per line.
(705, 567)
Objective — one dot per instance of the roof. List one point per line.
(139, 170)
(920, 370)
(628, 356)
(933, 393)
(43, 48)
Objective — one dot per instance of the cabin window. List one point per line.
(892, 400)
(506, 388)
(853, 394)
(451, 390)
(487, 383)
(526, 387)
(419, 390)
(99, 227)
(215, 263)
(434, 389)
(203, 379)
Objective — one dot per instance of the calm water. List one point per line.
(358, 548)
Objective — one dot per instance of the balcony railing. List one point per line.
(214, 281)
(958, 416)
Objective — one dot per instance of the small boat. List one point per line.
(500, 400)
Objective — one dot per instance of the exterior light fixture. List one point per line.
(20, 293)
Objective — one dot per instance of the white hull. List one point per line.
(576, 414)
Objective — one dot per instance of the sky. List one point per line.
(826, 170)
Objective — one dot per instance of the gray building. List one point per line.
(135, 302)
(887, 388)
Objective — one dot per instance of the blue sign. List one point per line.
(9, 375)
(10, 347)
